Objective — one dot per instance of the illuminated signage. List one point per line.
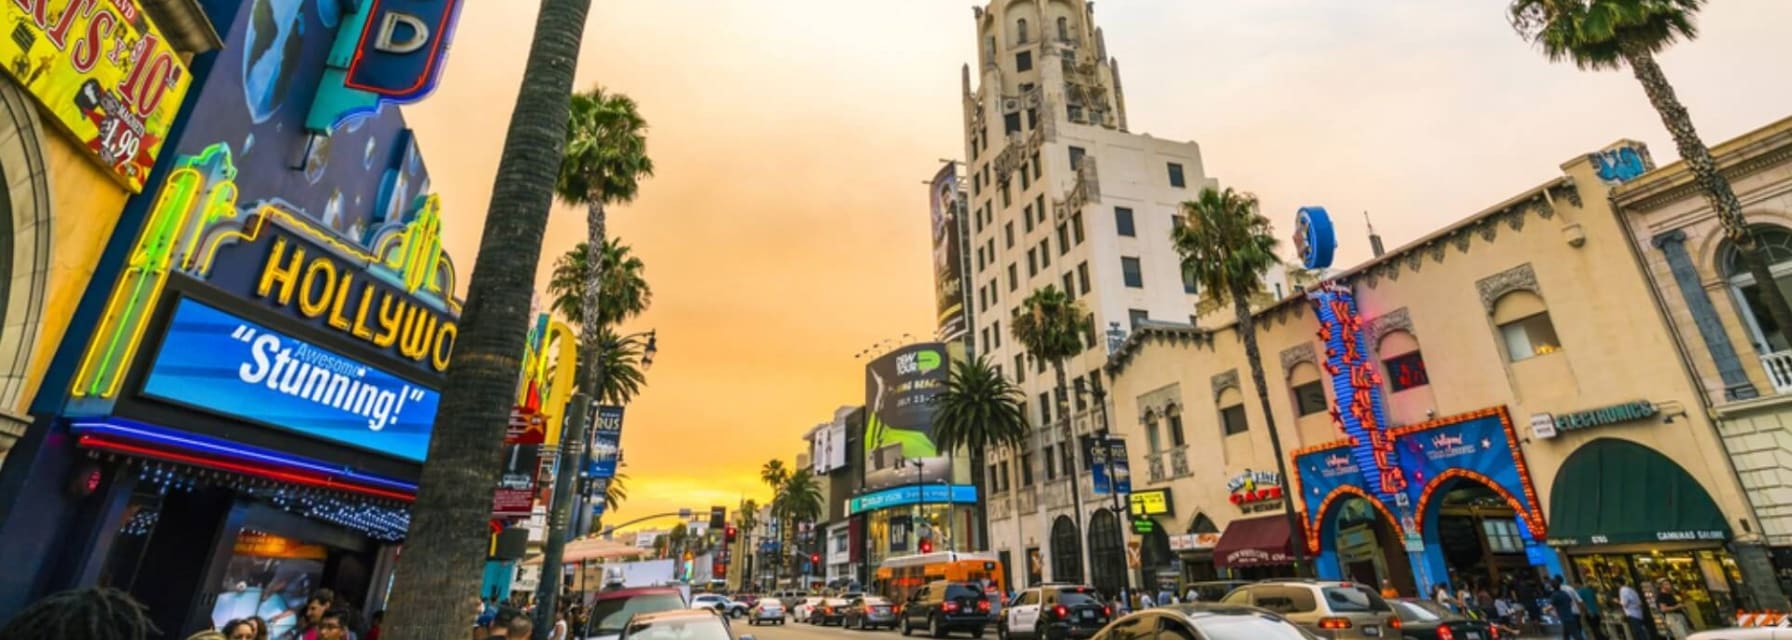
(911, 494)
(104, 71)
(324, 289)
(1150, 502)
(1255, 490)
(1314, 239)
(216, 362)
(1356, 383)
(401, 48)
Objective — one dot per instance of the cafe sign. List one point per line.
(1255, 491)
(1544, 425)
(104, 72)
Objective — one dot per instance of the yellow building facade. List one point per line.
(1537, 418)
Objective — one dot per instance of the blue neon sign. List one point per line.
(219, 363)
(911, 494)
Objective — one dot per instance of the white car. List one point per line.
(1781, 630)
(804, 609)
(767, 610)
(720, 604)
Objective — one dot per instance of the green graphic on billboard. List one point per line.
(899, 404)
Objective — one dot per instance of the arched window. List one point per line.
(1308, 389)
(1063, 29)
(1403, 365)
(1232, 419)
(1153, 442)
(1021, 30)
(1776, 248)
(1202, 524)
(1067, 551)
(1107, 555)
(1524, 326)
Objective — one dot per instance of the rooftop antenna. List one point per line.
(1374, 238)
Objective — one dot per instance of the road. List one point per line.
(790, 631)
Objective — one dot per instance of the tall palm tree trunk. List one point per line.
(1061, 402)
(591, 347)
(446, 544)
(1247, 329)
(1717, 188)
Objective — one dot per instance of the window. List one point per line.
(1524, 326)
(1023, 61)
(1039, 207)
(1063, 29)
(1129, 271)
(1076, 226)
(1123, 222)
(1153, 441)
(1020, 29)
(986, 345)
(1076, 158)
(1406, 369)
(1177, 438)
(1082, 276)
(1005, 478)
(1010, 124)
(1045, 252)
(1051, 462)
(1008, 234)
(1189, 285)
(1026, 469)
(1045, 407)
(1776, 246)
(1032, 262)
(995, 478)
(1032, 119)
(1020, 368)
(989, 49)
(1082, 400)
(1069, 462)
(1502, 536)
(1063, 239)
(1026, 216)
(1176, 179)
(1026, 182)
(1070, 284)
(1013, 277)
(1137, 317)
(1309, 398)
(997, 332)
(1089, 341)
(1233, 419)
(1036, 164)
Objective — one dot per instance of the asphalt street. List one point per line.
(793, 631)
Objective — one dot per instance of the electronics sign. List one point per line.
(106, 74)
(216, 362)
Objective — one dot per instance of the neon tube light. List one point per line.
(139, 431)
(97, 442)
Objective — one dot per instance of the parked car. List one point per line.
(804, 608)
(1328, 609)
(1203, 621)
(719, 603)
(686, 624)
(748, 599)
(1054, 611)
(943, 606)
(1422, 619)
(829, 611)
(768, 610)
(869, 612)
(610, 611)
(1212, 591)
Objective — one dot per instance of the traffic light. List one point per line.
(815, 558)
(717, 516)
(729, 534)
(926, 546)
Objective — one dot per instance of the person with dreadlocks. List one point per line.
(82, 614)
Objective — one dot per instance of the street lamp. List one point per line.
(1107, 460)
(920, 495)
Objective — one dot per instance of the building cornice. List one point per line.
(1744, 156)
(1161, 333)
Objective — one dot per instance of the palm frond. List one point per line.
(1225, 244)
(979, 409)
(1596, 34)
(606, 149)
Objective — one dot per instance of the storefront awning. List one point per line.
(1618, 492)
(1252, 542)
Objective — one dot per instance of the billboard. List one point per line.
(948, 254)
(221, 364)
(899, 392)
(105, 74)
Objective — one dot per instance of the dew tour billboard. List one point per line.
(900, 388)
(948, 254)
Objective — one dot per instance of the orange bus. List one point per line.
(898, 577)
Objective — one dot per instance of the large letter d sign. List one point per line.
(389, 41)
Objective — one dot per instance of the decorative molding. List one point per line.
(1437, 252)
(1571, 192)
(1734, 172)
(1493, 287)
(1173, 334)
(1461, 241)
(1488, 229)
(1224, 381)
(1384, 324)
(1295, 355)
(1515, 218)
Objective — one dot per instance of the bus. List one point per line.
(899, 577)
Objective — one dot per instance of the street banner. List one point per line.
(515, 495)
(103, 72)
(526, 426)
(605, 448)
(948, 260)
(1098, 464)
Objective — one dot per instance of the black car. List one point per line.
(942, 607)
(831, 611)
(1421, 620)
(1201, 621)
(869, 612)
(1053, 612)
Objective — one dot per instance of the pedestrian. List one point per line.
(83, 614)
(1441, 594)
(1466, 601)
(332, 625)
(207, 634)
(320, 602)
(1145, 601)
(1387, 589)
(261, 627)
(1192, 596)
(559, 632)
(1484, 601)
(1632, 604)
(373, 628)
(1673, 609)
(1567, 610)
(510, 623)
(239, 629)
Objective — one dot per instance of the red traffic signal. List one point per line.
(728, 534)
(926, 546)
(815, 558)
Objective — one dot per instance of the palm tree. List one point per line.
(980, 410)
(620, 361)
(616, 491)
(798, 502)
(624, 290)
(1051, 325)
(447, 541)
(773, 474)
(1612, 34)
(604, 161)
(1227, 246)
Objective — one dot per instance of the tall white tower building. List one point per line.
(1062, 194)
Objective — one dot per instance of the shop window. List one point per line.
(1776, 247)
(1404, 365)
(1524, 326)
(1503, 536)
(1232, 418)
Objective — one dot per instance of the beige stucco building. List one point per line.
(1533, 403)
(1741, 362)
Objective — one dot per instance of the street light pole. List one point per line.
(572, 441)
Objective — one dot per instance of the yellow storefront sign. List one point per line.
(103, 70)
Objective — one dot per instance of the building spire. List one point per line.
(1374, 238)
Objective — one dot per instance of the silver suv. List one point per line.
(1328, 609)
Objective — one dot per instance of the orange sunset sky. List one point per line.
(787, 227)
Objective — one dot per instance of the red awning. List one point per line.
(1252, 542)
